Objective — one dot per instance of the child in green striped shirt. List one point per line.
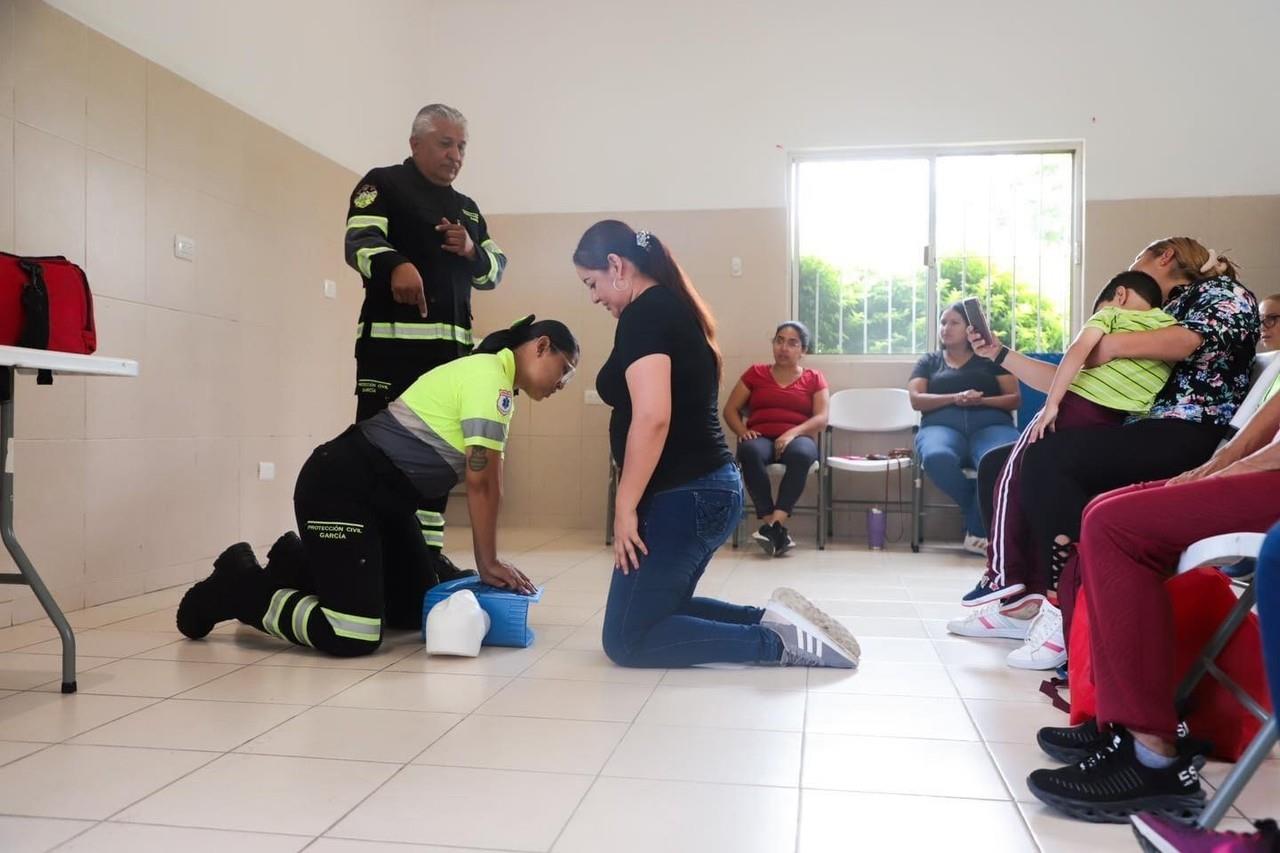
(1129, 385)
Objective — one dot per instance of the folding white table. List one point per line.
(13, 360)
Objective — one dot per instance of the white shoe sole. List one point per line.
(960, 630)
(810, 617)
(1046, 663)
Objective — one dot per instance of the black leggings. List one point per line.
(1063, 471)
(989, 468)
(755, 455)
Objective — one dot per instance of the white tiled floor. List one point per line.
(241, 742)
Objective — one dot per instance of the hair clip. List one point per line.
(1210, 265)
(642, 240)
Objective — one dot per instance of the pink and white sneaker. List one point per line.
(1046, 648)
(999, 621)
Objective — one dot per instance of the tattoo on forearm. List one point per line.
(478, 460)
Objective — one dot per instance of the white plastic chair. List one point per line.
(1224, 550)
(868, 410)
(1266, 367)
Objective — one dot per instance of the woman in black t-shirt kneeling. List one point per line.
(679, 495)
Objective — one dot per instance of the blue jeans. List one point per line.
(1267, 583)
(954, 438)
(652, 618)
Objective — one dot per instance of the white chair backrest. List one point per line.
(872, 410)
(1266, 367)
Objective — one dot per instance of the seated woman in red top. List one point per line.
(788, 411)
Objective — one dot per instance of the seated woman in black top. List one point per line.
(679, 495)
(967, 403)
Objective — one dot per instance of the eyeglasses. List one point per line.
(569, 371)
(1269, 320)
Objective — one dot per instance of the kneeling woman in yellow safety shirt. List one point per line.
(361, 562)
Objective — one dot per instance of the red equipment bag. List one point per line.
(45, 303)
(1201, 600)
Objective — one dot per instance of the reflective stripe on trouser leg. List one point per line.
(301, 613)
(432, 524)
(287, 616)
(365, 628)
(275, 611)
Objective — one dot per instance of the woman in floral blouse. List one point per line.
(1211, 347)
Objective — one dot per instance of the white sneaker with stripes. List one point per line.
(809, 636)
(1045, 647)
(996, 620)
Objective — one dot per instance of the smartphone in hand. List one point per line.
(977, 319)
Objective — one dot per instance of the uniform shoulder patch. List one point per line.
(473, 215)
(365, 196)
(504, 402)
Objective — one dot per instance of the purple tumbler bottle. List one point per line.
(875, 528)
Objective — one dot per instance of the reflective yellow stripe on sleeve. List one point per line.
(364, 259)
(379, 222)
(491, 249)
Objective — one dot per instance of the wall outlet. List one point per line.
(735, 267)
(184, 247)
(591, 398)
(330, 289)
(266, 470)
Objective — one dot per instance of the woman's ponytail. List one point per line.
(526, 329)
(651, 257)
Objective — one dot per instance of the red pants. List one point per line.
(1130, 543)
(1012, 553)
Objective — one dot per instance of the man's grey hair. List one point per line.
(426, 118)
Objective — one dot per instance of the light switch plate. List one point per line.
(184, 247)
(330, 289)
(266, 470)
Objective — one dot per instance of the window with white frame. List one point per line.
(882, 240)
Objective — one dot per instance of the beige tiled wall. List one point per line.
(559, 453)
(132, 485)
(126, 486)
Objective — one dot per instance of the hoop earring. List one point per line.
(616, 286)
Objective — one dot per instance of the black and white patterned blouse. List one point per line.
(1208, 385)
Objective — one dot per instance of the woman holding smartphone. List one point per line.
(967, 405)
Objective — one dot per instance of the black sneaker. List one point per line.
(988, 591)
(782, 541)
(1112, 785)
(764, 538)
(1073, 744)
(445, 569)
(286, 562)
(214, 599)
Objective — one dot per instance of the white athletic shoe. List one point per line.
(992, 622)
(809, 636)
(1045, 647)
(975, 544)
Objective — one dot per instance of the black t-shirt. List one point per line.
(659, 321)
(976, 374)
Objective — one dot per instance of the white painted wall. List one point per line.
(580, 105)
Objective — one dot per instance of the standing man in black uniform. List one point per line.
(420, 246)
